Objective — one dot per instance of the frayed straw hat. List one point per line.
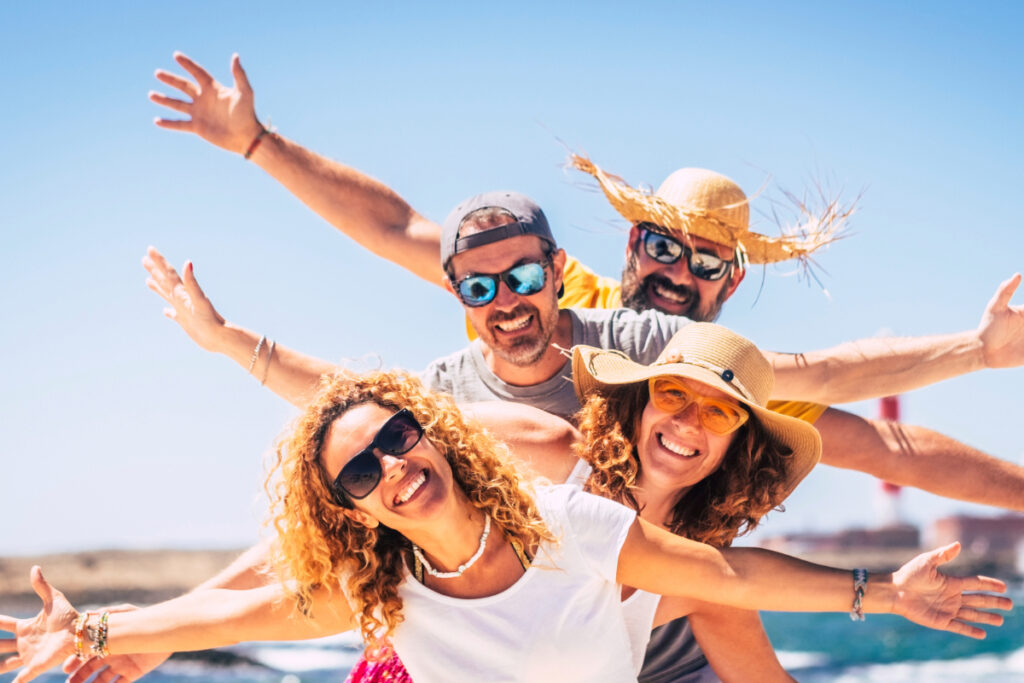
(715, 356)
(695, 201)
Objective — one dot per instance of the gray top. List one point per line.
(641, 336)
(673, 656)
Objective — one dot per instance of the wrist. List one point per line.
(880, 595)
(973, 346)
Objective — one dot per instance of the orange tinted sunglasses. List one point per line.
(717, 415)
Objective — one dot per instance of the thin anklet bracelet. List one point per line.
(256, 353)
(860, 585)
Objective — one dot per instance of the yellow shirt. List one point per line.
(586, 289)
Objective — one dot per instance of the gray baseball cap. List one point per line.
(530, 220)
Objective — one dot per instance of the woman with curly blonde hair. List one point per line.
(687, 443)
(434, 545)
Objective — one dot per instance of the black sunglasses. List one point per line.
(360, 475)
(665, 249)
(524, 279)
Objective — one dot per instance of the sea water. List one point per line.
(812, 647)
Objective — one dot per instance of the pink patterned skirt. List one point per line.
(390, 670)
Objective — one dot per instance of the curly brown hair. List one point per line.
(317, 542)
(725, 504)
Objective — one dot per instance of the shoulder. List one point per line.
(579, 512)
(442, 373)
(641, 335)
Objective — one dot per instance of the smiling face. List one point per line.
(676, 451)
(518, 328)
(670, 287)
(414, 487)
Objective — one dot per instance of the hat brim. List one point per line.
(595, 369)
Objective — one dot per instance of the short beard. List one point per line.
(634, 294)
(524, 351)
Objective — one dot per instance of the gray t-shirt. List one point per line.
(640, 335)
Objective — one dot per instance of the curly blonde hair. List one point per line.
(317, 543)
(725, 504)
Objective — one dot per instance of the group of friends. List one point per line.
(557, 500)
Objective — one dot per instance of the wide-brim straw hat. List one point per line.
(720, 358)
(696, 201)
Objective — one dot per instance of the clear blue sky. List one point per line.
(117, 431)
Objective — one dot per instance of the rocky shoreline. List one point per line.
(105, 577)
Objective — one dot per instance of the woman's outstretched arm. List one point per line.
(195, 621)
(659, 562)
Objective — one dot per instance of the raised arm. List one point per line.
(871, 368)
(251, 569)
(363, 208)
(659, 562)
(291, 375)
(196, 621)
(909, 455)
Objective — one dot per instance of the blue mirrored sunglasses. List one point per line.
(525, 279)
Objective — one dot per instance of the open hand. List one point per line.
(928, 597)
(221, 115)
(42, 642)
(1002, 328)
(189, 306)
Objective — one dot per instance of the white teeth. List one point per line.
(413, 486)
(676, 448)
(670, 295)
(515, 324)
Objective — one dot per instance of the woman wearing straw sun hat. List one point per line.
(688, 443)
(707, 472)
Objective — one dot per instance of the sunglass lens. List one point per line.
(708, 266)
(360, 475)
(478, 290)
(662, 248)
(399, 435)
(669, 396)
(720, 417)
(526, 279)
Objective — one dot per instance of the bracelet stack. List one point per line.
(96, 633)
(860, 585)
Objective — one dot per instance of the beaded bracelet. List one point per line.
(99, 644)
(79, 633)
(256, 353)
(860, 584)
